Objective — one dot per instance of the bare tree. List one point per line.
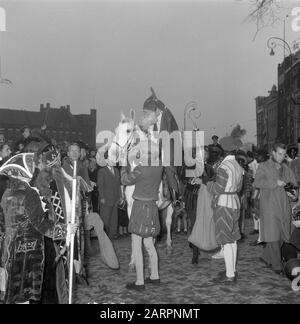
(266, 13)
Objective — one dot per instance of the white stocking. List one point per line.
(256, 223)
(259, 239)
(229, 260)
(234, 249)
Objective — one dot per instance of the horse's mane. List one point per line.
(127, 120)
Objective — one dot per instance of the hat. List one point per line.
(215, 137)
(20, 166)
(241, 156)
(49, 154)
(152, 103)
(230, 144)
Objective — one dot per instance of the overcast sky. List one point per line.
(107, 54)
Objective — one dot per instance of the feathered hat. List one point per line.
(20, 166)
(152, 103)
(233, 142)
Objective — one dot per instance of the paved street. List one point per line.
(185, 283)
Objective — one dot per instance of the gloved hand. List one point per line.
(71, 230)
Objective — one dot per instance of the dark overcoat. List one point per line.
(275, 207)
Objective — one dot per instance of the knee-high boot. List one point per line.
(89, 251)
(195, 259)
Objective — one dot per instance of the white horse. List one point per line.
(123, 143)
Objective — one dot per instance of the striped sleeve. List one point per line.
(218, 187)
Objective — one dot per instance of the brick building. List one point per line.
(289, 96)
(267, 119)
(61, 124)
(278, 115)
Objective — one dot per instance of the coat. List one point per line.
(295, 166)
(275, 207)
(109, 186)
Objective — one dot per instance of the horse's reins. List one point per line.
(128, 144)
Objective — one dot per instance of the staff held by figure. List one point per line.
(73, 212)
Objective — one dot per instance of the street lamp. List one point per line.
(272, 43)
(190, 107)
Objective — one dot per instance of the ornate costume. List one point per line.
(24, 221)
(225, 189)
(229, 180)
(144, 221)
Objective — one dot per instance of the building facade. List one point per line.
(267, 119)
(289, 99)
(61, 124)
(278, 115)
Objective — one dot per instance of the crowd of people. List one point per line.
(37, 176)
(210, 208)
(260, 185)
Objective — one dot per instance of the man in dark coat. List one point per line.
(109, 188)
(275, 208)
(74, 154)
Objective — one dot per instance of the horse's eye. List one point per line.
(128, 131)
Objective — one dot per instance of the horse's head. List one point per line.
(124, 137)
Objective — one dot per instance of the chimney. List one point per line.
(48, 105)
(93, 113)
(68, 108)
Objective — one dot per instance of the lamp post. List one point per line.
(190, 107)
(272, 43)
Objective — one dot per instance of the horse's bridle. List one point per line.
(128, 144)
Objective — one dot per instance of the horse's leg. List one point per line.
(168, 225)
